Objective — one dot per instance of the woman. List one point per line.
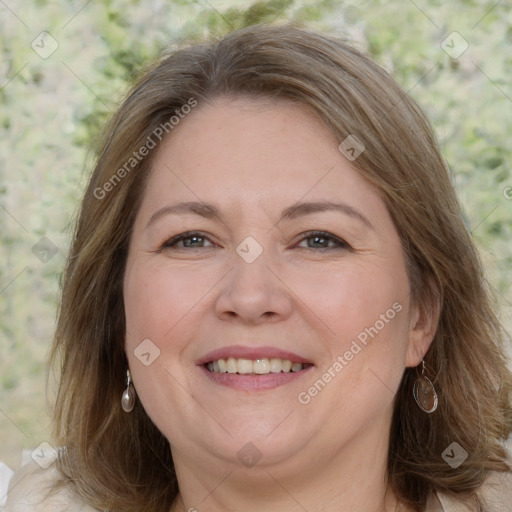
(272, 302)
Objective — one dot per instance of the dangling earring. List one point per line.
(128, 398)
(424, 392)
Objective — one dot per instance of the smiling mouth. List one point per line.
(262, 366)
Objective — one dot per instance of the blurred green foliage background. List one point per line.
(53, 108)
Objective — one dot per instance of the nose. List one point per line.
(254, 293)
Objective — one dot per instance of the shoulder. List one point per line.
(495, 493)
(31, 490)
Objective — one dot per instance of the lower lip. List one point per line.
(253, 382)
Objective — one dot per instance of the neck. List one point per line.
(351, 479)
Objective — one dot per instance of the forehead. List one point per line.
(254, 151)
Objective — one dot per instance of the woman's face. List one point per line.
(256, 285)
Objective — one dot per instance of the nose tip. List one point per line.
(251, 291)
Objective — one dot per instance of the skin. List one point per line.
(253, 158)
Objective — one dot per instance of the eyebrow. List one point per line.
(210, 211)
(301, 209)
(207, 210)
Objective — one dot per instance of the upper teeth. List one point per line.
(259, 366)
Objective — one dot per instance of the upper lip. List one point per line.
(244, 352)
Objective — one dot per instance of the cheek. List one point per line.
(366, 312)
(158, 298)
(352, 300)
(367, 309)
(159, 303)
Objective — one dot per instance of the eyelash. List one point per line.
(340, 244)
(171, 242)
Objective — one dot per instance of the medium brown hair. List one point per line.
(121, 462)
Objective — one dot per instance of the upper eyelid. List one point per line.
(183, 236)
(307, 234)
(324, 234)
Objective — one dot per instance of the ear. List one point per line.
(424, 320)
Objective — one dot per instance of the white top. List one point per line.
(29, 486)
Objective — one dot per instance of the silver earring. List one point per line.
(128, 398)
(424, 392)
